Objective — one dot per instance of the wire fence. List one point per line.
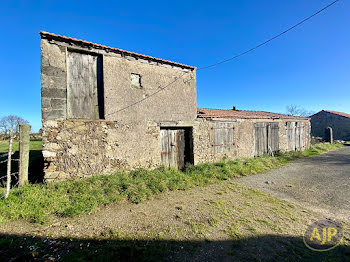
(14, 175)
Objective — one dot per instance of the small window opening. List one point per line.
(135, 80)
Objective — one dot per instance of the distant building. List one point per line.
(338, 121)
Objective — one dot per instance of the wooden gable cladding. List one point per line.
(85, 86)
(223, 136)
(266, 138)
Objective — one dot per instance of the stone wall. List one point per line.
(244, 139)
(129, 136)
(339, 124)
(84, 148)
(177, 102)
(168, 93)
(53, 81)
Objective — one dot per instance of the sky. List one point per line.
(308, 67)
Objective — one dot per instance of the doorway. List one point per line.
(176, 146)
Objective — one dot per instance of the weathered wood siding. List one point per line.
(173, 147)
(223, 137)
(82, 86)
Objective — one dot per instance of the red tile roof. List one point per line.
(86, 43)
(335, 113)
(220, 113)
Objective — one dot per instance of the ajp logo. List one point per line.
(323, 235)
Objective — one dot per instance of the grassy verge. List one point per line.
(37, 202)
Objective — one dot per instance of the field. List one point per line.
(36, 161)
(34, 145)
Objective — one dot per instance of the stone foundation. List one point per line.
(84, 148)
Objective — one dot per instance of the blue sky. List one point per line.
(308, 67)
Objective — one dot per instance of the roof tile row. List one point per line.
(220, 113)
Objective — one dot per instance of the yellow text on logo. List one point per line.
(332, 231)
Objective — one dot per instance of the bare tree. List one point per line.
(11, 122)
(294, 110)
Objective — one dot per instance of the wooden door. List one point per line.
(266, 138)
(272, 138)
(295, 136)
(223, 136)
(260, 139)
(82, 86)
(300, 136)
(173, 147)
(291, 134)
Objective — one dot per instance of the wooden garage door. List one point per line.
(266, 138)
(173, 147)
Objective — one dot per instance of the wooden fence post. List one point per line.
(23, 165)
(8, 183)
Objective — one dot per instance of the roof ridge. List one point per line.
(242, 110)
(336, 113)
(229, 113)
(66, 38)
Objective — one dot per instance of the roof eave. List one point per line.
(47, 35)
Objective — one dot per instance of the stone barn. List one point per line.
(105, 109)
(338, 121)
(237, 133)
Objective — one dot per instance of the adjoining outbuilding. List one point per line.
(338, 121)
(238, 133)
(105, 109)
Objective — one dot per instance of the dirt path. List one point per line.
(222, 222)
(228, 221)
(320, 183)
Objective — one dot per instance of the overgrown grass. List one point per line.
(34, 145)
(37, 202)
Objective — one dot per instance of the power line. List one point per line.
(143, 99)
(272, 38)
(224, 61)
(230, 59)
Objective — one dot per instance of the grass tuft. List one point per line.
(37, 202)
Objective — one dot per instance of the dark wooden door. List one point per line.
(173, 147)
(82, 86)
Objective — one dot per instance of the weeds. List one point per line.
(213, 221)
(36, 203)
